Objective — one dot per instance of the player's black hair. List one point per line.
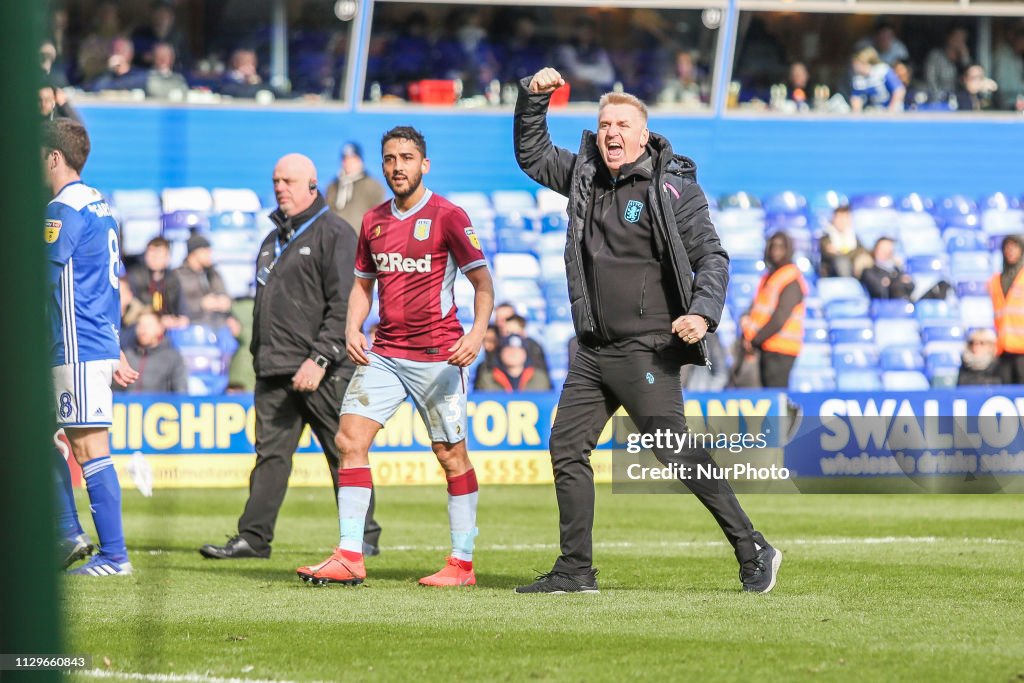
(405, 133)
(68, 137)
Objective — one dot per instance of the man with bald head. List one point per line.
(304, 273)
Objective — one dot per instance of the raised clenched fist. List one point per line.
(547, 80)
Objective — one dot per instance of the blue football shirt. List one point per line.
(85, 262)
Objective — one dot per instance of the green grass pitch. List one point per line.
(873, 588)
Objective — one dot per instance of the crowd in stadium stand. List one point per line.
(664, 58)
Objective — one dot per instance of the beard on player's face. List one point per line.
(404, 184)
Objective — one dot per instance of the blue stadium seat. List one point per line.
(803, 380)
(196, 199)
(971, 265)
(746, 265)
(233, 220)
(901, 358)
(207, 384)
(1003, 221)
(785, 202)
(833, 288)
(517, 241)
(179, 225)
(852, 335)
(976, 311)
(846, 308)
(891, 308)
(957, 211)
(934, 264)
(919, 243)
(239, 278)
(972, 288)
(905, 380)
(513, 200)
(943, 359)
(854, 356)
(814, 356)
(964, 239)
(136, 232)
(554, 222)
(786, 222)
(858, 380)
(856, 323)
(915, 202)
(931, 333)
(897, 333)
(876, 200)
(470, 201)
(516, 265)
(549, 201)
(927, 311)
(815, 330)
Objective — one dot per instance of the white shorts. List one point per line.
(83, 395)
(436, 388)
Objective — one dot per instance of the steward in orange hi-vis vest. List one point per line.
(1009, 314)
(789, 339)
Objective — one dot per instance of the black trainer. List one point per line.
(759, 574)
(236, 548)
(562, 582)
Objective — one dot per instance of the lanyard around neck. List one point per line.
(279, 248)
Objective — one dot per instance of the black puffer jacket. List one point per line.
(685, 235)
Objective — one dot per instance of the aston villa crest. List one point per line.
(633, 209)
(422, 229)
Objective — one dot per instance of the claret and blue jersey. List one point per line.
(85, 264)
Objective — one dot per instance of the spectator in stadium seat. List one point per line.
(943, 66)
(884, 278)
(842, 254)
(50, 107)
(587, 65)
(513, 372)
(162, 81)
(162, 29)
(980, 364)
(489, 347)
(353, 192)
(466, 52)
(774, 325)
(798, 86)
(155, 285)
(875, 85)
(917, 93)
(890, 48)
(52, 74)
(685, 86)
(976, 90)
(516, 324)
(1008, 69)
(205, 298)
(161, 367)
(523, 54)
(95, 49)
(121, 74)
(242, 78)
(1007, 291)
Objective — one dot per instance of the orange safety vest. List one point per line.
(790, 339)
(1009, 314)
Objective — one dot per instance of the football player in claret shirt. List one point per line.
(85, 312)
(412, 247)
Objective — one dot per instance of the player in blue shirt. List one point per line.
(84, 264)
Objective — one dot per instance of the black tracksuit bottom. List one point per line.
(599, 382)
(281, 414)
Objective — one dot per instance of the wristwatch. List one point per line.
(707, 321)
(321, 361)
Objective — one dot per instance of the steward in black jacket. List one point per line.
(647, 277)
(302, 299)
(304, 275)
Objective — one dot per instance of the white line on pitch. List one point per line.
(170, 678)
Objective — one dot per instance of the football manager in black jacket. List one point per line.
(304, 272)
(647, 277)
